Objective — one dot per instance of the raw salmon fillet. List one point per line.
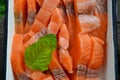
(55, 22)
(97, 54)
(66, 60)
(17, 57)
(20, 12)
(31, 14)
(81, 49)
(70, 20)
(96, 58)
(56, 68)
(63, 44)
(63, 37)
(80, 53)
(101, 13)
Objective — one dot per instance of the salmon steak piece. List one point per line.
(87, 23)
(55, 22)
(80, 53)
(31, 14)
(96, 58)
(84, 6)
(17, 57)
(56, 68)
(20, 13)
(101, 13)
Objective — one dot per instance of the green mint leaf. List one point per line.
(39, 54)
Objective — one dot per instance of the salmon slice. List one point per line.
(20, 15)
(84, 6)
(55, 22)
(97, 53)
(40, 2)
(70, 20)
(43, 16)
(80, 53)
(47, 10)
(81, 49)
(63, 43)
(96, 58)
(56, 68)
(101, 13)
(31, 14)
(17, 57)
(87, 23)
(66, 60)
(63, 40)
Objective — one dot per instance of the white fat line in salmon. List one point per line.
(91, 73)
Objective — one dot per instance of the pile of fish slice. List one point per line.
(80, 27)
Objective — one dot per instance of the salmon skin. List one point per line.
(31, 14)
(20, 13)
